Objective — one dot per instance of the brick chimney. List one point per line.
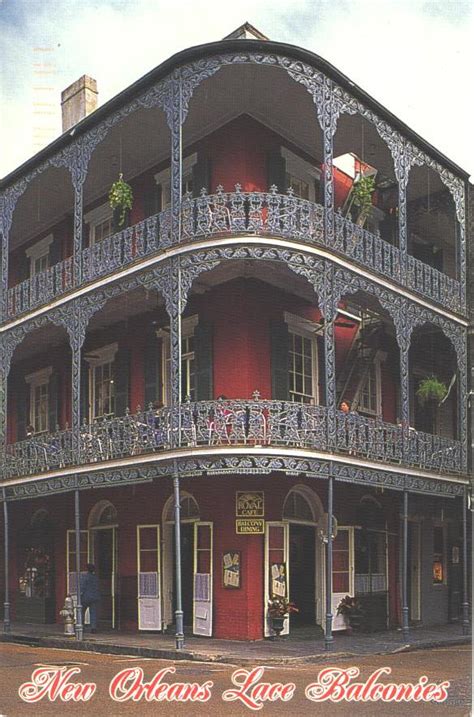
(78, 100)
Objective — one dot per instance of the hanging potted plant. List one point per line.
(362, 191)
(278, 609)
(121, 201)
(431, 389)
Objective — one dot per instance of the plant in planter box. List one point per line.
(362, 192)
(352, 612)
(431, 389)
(121, 199)
(278, 609)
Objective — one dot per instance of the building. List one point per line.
(291, 247)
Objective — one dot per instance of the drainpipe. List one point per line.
(177, 540)
(6, 603)
(405, 628)
(77, 528)
(328, 637)
(465, 598)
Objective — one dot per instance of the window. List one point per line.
(439, 555)
(163, 179)
(370, 391)
(101, 382)
(38, 254)
(188, 382)
(100, 221)
(301, 176)
(39, 400)
(302, 360)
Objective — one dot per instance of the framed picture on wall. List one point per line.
(231, 569)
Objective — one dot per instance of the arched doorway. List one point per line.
(189, 516)
(102, 526)
(303, 510)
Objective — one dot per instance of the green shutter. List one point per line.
(53, 400)
(279, 342)
(276, 171)
(121, 371)
(203, 341)
(152, 371)
(202, 176)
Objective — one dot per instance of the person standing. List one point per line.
(90, 595)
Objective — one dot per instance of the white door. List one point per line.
(202, 579)
(148, 577)
(276, 556)
(342, 572)
(71, 576)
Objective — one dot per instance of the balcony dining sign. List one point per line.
(210, 405)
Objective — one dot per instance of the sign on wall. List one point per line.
(249, 526)
(231, 569)
(278, 580)
(249, 504)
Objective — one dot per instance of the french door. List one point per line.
(276, 569)
(148, 577)
(202, 579)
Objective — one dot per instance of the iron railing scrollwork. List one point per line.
(232, 213)
(226, 423)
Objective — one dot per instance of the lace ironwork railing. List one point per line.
(434, 452)
(430, 282)
(126, 246)
(367, 249)
(226, 423)
(38, 454)
(254, 212)
(370, 437)
(40, 289)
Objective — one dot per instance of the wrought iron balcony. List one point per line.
(230, 423)
(233, 213)
(40, 289)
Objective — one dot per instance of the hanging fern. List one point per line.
(431, 389)
(362, 192)
(121, 197)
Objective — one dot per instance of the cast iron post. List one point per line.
(328, 638)
(77, 528)
(6, 602)
(465, 598)
(405, 628)
(177, 536)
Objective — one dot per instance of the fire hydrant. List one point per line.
(67, 613)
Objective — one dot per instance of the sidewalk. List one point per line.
(304, 645)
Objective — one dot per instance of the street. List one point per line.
(18, 662)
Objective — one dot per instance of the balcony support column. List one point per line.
(4, 264)
(177, 535)
(78, 220)
(76, 328)
(328, 636)
(401, 172)
(175, 121)
(328, 305)
(6, 548)
(405, 627)
(79, 627)
(465, 596)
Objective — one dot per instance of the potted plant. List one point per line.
(362, 191)
(431, 389)
(278, 609)
(120, 200)
(350, 609)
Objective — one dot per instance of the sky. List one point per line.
(413, 56)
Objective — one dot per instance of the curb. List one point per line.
(233, 659)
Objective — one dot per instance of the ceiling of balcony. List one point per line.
(142, 140)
